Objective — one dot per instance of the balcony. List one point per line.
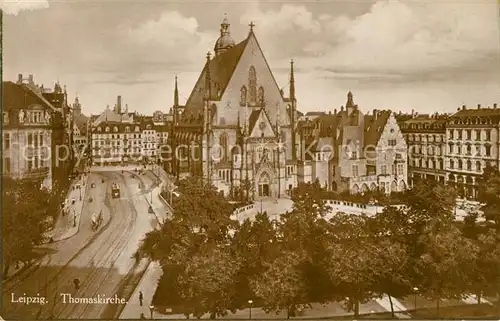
(36, 173)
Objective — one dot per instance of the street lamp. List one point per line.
(250, 302)
(151, 309)
(415, 289)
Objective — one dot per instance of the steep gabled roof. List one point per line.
(20, 96)
(374, 126)
(222, 68)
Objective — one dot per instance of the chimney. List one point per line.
(30, 79)
(464, 107)
(478, 106)
(19, 78)
(119, 105)
(495, 105)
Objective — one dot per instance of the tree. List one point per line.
(443, 267)
(203, 210)
(255, 244)
(489, 195)
(24, 209)
(352, 260)
(281, 286)
(196, 236)
(206, 284)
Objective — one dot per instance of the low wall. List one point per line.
(242, 209)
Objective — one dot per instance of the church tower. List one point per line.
(225, 41)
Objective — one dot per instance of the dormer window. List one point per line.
(261, 96)
(107, 129)
(99, 129)
(127, 129)
(136, 129)
(115, 129)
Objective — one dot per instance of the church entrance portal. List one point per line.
(263, 186)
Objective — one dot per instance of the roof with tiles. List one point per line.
(477, 112)
(374, 126)
(221, 69)
(20, 96)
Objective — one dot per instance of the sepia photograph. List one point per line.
(315, 159)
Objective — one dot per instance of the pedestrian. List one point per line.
(76, 282)
(141, 297)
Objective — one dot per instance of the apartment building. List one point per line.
(472, 144)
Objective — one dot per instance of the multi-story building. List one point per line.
(426, 139)
(125, 137)
(237, 122)
(34, 133)
(80, 135)
(473, 143)
(350, 151)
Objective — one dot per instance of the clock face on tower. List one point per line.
(262, 125)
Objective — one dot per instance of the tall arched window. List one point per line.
(261, 95)
(223, 146)
(252, 84)
(478, 166)
(243, 96)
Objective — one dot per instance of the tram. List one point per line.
(115, 190)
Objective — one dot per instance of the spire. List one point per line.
(292, 82)
(350, 100)
(208, 81)
(245, 128)
(278, 122)
(176, 93)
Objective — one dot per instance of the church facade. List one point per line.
(236, 128)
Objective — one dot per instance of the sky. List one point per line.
(426, 55)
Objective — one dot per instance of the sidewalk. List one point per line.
(68, 225)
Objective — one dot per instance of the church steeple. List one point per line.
(225, 41)
(350, 100)
(176, 93)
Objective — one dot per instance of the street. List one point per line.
(101, 260)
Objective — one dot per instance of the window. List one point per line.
(383, 169)
(469, 134)
(107, 129)
(478, 135)
(459, 150)
(451, 134)
(354, 155)
(469, 165)
(459, 135)
(261, 95)
(400, 170)
(6, 142)
(478, 166)
(223, 146)
(252, 84)
(243, 96)
(127, 129)
(488, 135)
(452, 164)
(451, 148)
(440, 164)
(30, 139)
(469, 150)
(98, 129)
(6, 165)
(391, 142)
(30, 164)
(488, 150)
(460, 163)
(355, 171)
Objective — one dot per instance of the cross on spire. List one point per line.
(251, 25)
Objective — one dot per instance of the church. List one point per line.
(236, 128)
